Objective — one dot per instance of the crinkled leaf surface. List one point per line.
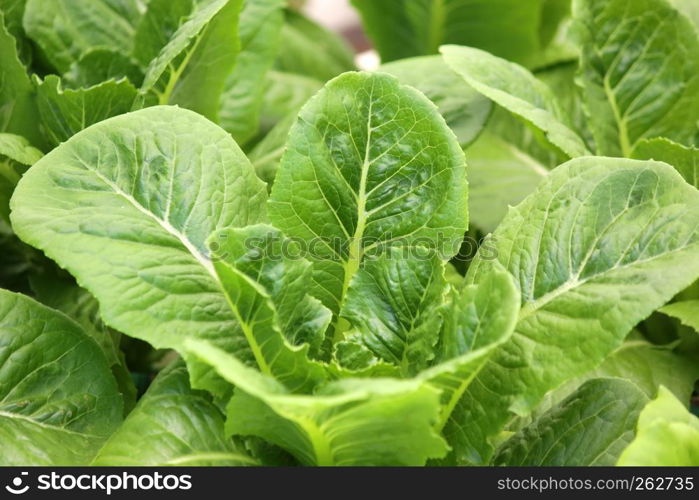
(351, 422)
(517, 90)
(369, 162)
(172, 425)
(144, 191)
(590, 427)
(58, 399)
(667, 435)
(601, 244)
(266, 285)
(464, 109)
(392, 301)
(639, 72)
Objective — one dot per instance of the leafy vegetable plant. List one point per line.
(210, 193)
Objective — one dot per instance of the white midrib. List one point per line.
(355, 248)
(206, 263)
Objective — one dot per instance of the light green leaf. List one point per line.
(266, 285)
(667, 435)
(172, 425)
(590, 427)
(267, 154)
(13, 150)
(683, 158)
(58, 400)
(284, 94)
(500, 175)
(517, 90)
(478, 320)
(192, 68)
(241, 102)
(639, 72)
(18, 149)
(464, 109)
(157, 27)
(687, 311)
(406, 28)
(650, 366)
(65, 112)
(689, 8)
(392, 301)
(368, 163)
(99, 65)
(123, 187)
(351, 422)
(601, 244)
(65, 29)
(310, 50)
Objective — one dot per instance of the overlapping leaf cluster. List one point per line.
(212, 187)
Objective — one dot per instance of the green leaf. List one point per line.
(65, 112)
(406, 28)
(464, 109)
(351, 422)
(650, 366)
(392, 302)
(517, 90)
(310, 50)
(18, 149)
(667, 435)
(639, 71)
(192, 68)
(683, 158)
(687, 311)
(158, 25)
(284, 94)
(57, 290)
(601, 244)
(172, 425)
(99, 65)
(368, 163)
(13, 150)
(478, 319)
(689, 8)
(123, 187)
(266, 285)
(500, 175)
(65, 29)
(58, 400)
(241, 102)
(17, 108)
(591, 427)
